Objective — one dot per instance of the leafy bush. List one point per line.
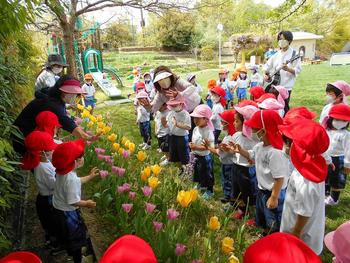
(207, 53)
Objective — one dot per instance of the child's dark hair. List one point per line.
(331, 88)
(274, 91)
(287, 140)
(287, 36)
(240, 116)
(159, 69)
(330, 125)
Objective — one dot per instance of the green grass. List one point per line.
(309, 91)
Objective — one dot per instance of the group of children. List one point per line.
(284, 163)
(54, 165)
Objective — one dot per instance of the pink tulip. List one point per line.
(115, 169)
(99, 150)
(88, 142)
(100, 157)
(121, 171)
(127, 207)
(123, 188)
(197, 261)
(147, 191)
(172, 214)
(126, 154)
(108, 159)
(126, 187)
(150, 208)
(157, 226)
(132, 195)
(180, 249)
(103, 173)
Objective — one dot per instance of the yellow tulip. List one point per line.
(124, 140)
(227, 245)
(99, 131)
(147, 171)
(144, 176)
(120, 151)
(116, 146)
(194, 194)
(90, 124)
(85, 114)
(100, 124)
(156, 169)
(80, 107)
(233, 259)
(153, 182)
(89, 108)
(184, 198)
(141, 156)
(92, 118)
(112, 137)
(99, 118)
(214, 223)
(107, 129)
(131, 147)
(126, 144)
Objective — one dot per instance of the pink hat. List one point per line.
(338, 242)
(283, 94)
(203, 111)
(142, 95)
(247, 112)
(71, 86)
(270, 104)
(343, 86)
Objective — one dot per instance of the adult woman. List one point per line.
(65, 91)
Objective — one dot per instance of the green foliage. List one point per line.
(207, 53)
(118, 34)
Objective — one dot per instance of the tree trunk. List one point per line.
(68, 38)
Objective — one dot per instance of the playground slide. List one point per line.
(107, 87)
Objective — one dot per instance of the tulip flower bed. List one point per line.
(135, 195)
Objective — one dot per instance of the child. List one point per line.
(271, 168)
(211, 84)
(282, 96)
(338, 242)
(71, 228)
(224, 83)
(143, 120)
(256, 92)
(242, 84)
(335, 93)
(218, 97)
(47, 121)
(192, 79)
(226, 158)
(88, 87)
(162, 132)
(179, 123)
(339, 150)
(256, 78)
(39, 146)
(304, 211)
(272, 104)
(203, 132)
(241, 178)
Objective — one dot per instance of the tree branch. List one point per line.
(93, 6)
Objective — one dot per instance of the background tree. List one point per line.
(118, 34)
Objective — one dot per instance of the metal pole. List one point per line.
(219, 48)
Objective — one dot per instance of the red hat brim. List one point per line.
(313, 168)
(21, 256)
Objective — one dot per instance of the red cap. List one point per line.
(265, 96)
(229, 117)
(221, 92)
(47, 121)
(257, 92)
(246, 103)
(36, 142)
(64, 156)
(129, 249)
(310, 141)
(297, 114)
(340, 112)
(280, 247)
(140, 85)
(21, 257)
(268, 120)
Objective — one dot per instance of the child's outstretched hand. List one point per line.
(90, 204)
(235, 147)
(94, 172)
(206, 143)
(224, 147)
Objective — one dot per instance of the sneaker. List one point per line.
(146, 147)
(142, 144)
(330, 201)
(164, 162)
(207, 195)
(164, 157)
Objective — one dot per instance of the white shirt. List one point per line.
(89, 89)
(45, 179)
(242, 83)
(142, 114)
(339, 145)
(325, 111)
(199, 88)
(275, 62)
(160, 130)
(199, 135)
(182, 117)
(67, 191)
(256, 78)
(226, 157)
(215, 118)
(305, 198)
(149, 87)
(246, 144)
(46, 79)
(270, 164)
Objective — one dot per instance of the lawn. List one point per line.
(309, 91)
